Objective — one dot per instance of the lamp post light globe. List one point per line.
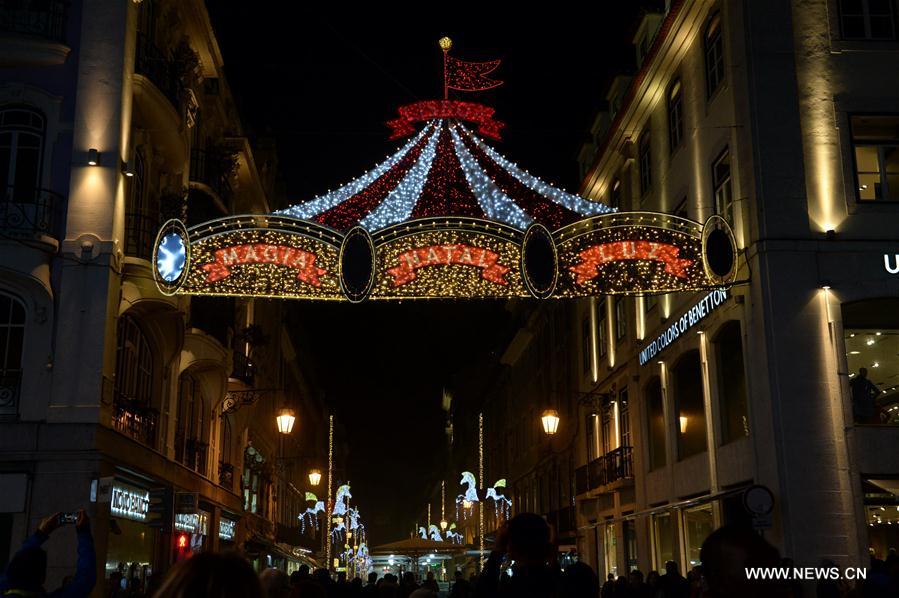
(285, 420)
(444, 524)
(550, 419)
(315, 477)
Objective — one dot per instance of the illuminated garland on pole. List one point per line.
(330, 484)
(481, 485)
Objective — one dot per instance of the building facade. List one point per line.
(773, 115)
(155, 413)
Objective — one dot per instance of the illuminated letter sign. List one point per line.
(226, 528)
(891, 268)
(129, 503)
(690, 318)
(446, 255)
(262, 253)
(595, 257)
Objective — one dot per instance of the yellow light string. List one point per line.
(330, 484)
(481, 485)
(442, 500)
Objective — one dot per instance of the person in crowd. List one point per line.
(423, 592)
(407, 585)
(725, 555)
(371, 588)
(275, 583)
(637, 588)
(864, 398)
(652, 580)
(672, 583)
(525, 539)
(299, 575)
(307, 588)
(608, 588)
(579, 581)
(431, 583)
(461, 586)
(211, 575)
(26, 572)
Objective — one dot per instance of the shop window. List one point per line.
(871, 337)
(252, 481)
(602, 343)
(731, 383)
(689, 406)
(630, 544)
(662, 539)
(645, 161)
(698, 524)
(881, 502)
(656, 425)
(675, 117)
(620, 319)
(22, 132)
(875, 142)
(12, 339)
(867, 19)
(610, 549)
(721, 179)
(714, 55)
(586, 345)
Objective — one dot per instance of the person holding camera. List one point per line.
(27, 570)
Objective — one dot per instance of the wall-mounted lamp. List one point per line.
(825, 284)
(93, 157)
(830, 234)
(128, 168)
(683, 423)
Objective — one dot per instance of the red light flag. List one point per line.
(462, 75)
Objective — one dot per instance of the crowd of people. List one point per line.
(522, 564)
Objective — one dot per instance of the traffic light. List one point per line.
(161, 510)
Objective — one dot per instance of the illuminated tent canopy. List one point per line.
(445, 216)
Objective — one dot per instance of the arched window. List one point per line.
(22, 132)
(134, 364)
(191, 434)
(655, 413)
(714, 55)
(690, 424)
(12, 338)
(675, 116)
(731, 383)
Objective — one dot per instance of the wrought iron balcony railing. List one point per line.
(10, 383)
(136, 421)
(615, 465)
(29, 211)
(244, 370)
(153, 64)
(140, 233)
(40, 18)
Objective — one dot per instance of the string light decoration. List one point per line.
(429, 110)
(481, 485)
(327, 536)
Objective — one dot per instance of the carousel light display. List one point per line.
(445, 216)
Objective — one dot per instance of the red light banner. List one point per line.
(262, 253)
(596, 256)
(431, 109)
(447, 255)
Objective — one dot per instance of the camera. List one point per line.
(65, 518)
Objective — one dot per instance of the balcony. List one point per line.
(136, 421)
(10, 383)
(153, 64)
(243, 369)
(581, 480)
(140, 233)
(207, 168)
(28, 212)
(32, 32)
(612, 467)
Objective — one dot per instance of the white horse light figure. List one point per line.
(341, 501)
(454, 537)
(312, 514)
(500, 501)
(434, 532)
(471, 483)
(423, 533)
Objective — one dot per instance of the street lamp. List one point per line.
(315, 477)
(550, 419)
(285, 419)
(444, 524)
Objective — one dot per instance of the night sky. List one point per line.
(323, 86)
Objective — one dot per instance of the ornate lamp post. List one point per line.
(285, 420)
(315, 477)
(550, 419)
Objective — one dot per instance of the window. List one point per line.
(662, 539)
(586, 345)
(680, 210)
(724, 198)
(615, 195)
(252, 481)
(714, 55)
(731, 383)
(134, 364)
(190, 424)
(867, 19)
(675, 117)
(630, 544)
(606, 429)
(645, 159)
(871, 338)
(624, 419)
(21, 151)
(12, 339)
(650, 301)
(656, 425)
(698, 524)
(620, 319)
(590, 427)
(875, 140)
(601, 331)
(689, 405)
(610, 549)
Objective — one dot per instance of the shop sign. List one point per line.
(688, 320)
(187, 522)
(227, 528)
(891, 264)
(130, 503)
